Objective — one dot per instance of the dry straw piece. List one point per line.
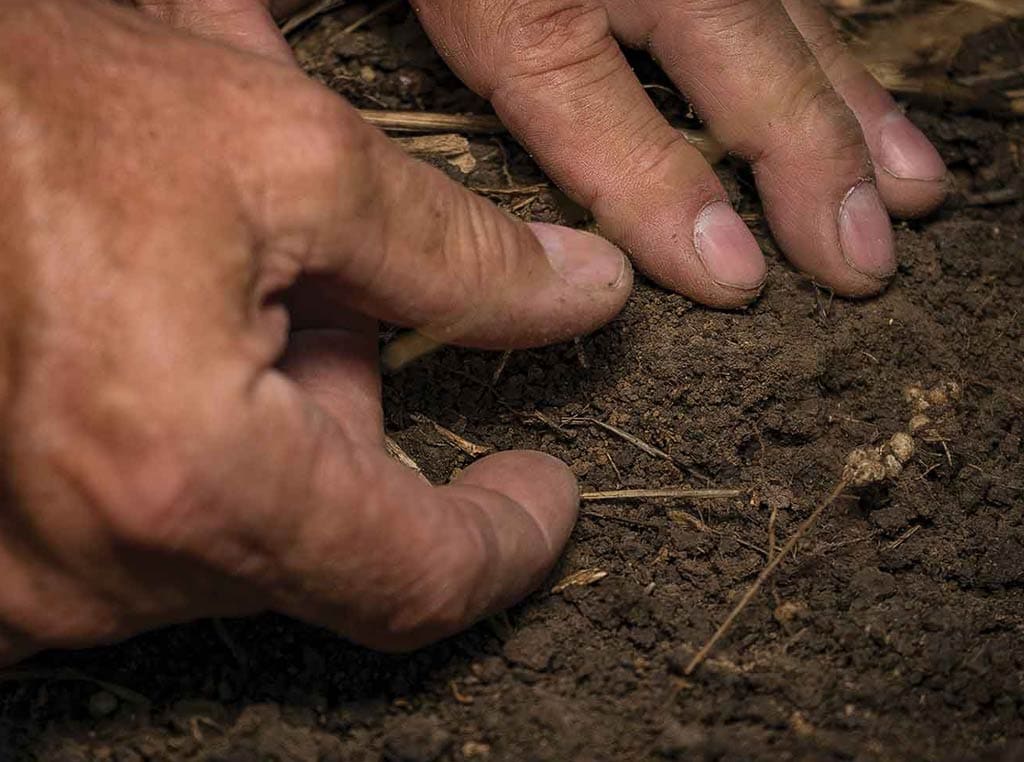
(680, 493)
(582, 578)
(472, 449)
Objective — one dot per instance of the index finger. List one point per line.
(558, 79)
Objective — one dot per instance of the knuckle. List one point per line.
(725, 16)
(477, 251)
(334, 125)
(164, 10)
(140, 463)
(806, 95)
(660, 156)
(338, 149)
(550, 35)
(328, 128)
(145, 497)
(657, 151)
(825, 44)
(811, 118)
(579, 76)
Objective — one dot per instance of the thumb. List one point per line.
(358, 543)
(399, 241)
(433, 561)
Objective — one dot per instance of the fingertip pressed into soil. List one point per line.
(894, 629)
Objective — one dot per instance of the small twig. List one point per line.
(1009, 8)
(676, 493)
(950, 94)
(772, 565)
(306, 15)
(422, 121)
(471, 449)
(701, 526)
(452, 148)
(501, 366)
(991, 77)
(561, 430)
(740, 541)
(395, 451)
(904, 537)
(355, 26)
(486, 124)
(514, 190)
(682, 517)
(640, 444)
(459, 696)
(615, 467)
(581, 578)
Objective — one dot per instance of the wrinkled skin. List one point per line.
(170, 206)
(165, 455)
(831, 150)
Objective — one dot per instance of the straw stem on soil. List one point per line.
(767, 572)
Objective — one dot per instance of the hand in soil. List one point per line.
(167, 453)
(831, 151)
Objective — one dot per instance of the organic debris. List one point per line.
(864, 467)
(582, 578)
(471, 449)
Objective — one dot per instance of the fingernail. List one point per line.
(905, 152)
(582, 259)
(865, 233)
(728, 249)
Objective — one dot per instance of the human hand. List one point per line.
(167, 454)
(831, 150)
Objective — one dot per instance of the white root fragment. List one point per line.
(941, 395)
(919, 422)
(873, 465)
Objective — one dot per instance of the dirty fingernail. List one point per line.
(905, 152)
(582, 259)
(728, 249)
(865, 233)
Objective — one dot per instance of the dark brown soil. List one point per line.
(896, 633)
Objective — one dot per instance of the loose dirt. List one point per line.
(895, 632)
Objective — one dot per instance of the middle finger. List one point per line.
(748, 71)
